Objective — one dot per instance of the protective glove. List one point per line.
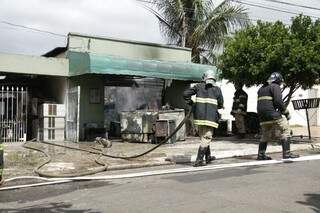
(288, 116)
(190, 103)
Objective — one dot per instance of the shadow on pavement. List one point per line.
(48, 208)
(312, 200)
(219, 174)
(43, 192)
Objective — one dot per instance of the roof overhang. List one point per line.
(87, 63)
(55, 52)
(35, 65)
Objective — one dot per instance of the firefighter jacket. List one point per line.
(270, 105)
(239, 102)
(206, 104)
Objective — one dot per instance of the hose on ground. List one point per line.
(100, 153)
(133, 156)
(42, 174)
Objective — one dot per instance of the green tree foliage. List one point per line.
(197, 24)
(253, 53)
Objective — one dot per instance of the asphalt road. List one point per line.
(288, 187)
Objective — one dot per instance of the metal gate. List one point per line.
(13, 113)
(72, 124)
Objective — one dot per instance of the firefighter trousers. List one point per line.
(206, 134)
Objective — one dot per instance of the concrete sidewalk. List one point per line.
(20, 161)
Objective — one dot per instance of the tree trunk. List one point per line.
(184, 32)
(288, 97)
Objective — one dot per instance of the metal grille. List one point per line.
(13, 111)
(306, 103)
(73, 102)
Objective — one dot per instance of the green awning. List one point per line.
(86, 63)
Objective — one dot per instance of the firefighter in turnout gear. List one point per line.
(208, 99)
(239, 109)
(273, 117)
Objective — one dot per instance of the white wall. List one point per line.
(23, 64)
(298, 117)
(127, 49)
(228, 92)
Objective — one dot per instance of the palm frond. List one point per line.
(198, 24)
(218, 23)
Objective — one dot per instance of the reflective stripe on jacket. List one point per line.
(270, 104)
(207, 102)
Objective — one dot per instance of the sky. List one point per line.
(123, 19)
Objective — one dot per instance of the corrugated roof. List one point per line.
(86, 63)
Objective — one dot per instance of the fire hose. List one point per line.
(97, 152)
(42, 174)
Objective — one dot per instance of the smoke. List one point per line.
(137, 94)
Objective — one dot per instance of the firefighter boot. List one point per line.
(200, 155)
(286, 149)
(262, 152)
(208, 156)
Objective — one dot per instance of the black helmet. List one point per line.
(275, 77)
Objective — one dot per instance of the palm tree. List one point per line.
(197, 24)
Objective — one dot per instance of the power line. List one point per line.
(31, 28)
(292, 4)
(255, 4)
(185, 9)
(246, 3)
(271, 8)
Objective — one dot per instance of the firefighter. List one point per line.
(273, 116)
(205, 105)
(239, 109)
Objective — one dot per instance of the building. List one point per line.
(96, 78)
(88, 74)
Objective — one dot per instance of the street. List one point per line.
(286, 187)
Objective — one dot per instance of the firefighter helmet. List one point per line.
(209, 77)
(275, 77)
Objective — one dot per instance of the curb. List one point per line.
(237, 153)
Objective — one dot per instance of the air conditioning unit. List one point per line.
(52, 110)
(51, 134)
(51, 122)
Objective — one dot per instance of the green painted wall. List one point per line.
(89, 112)
(127, 49)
